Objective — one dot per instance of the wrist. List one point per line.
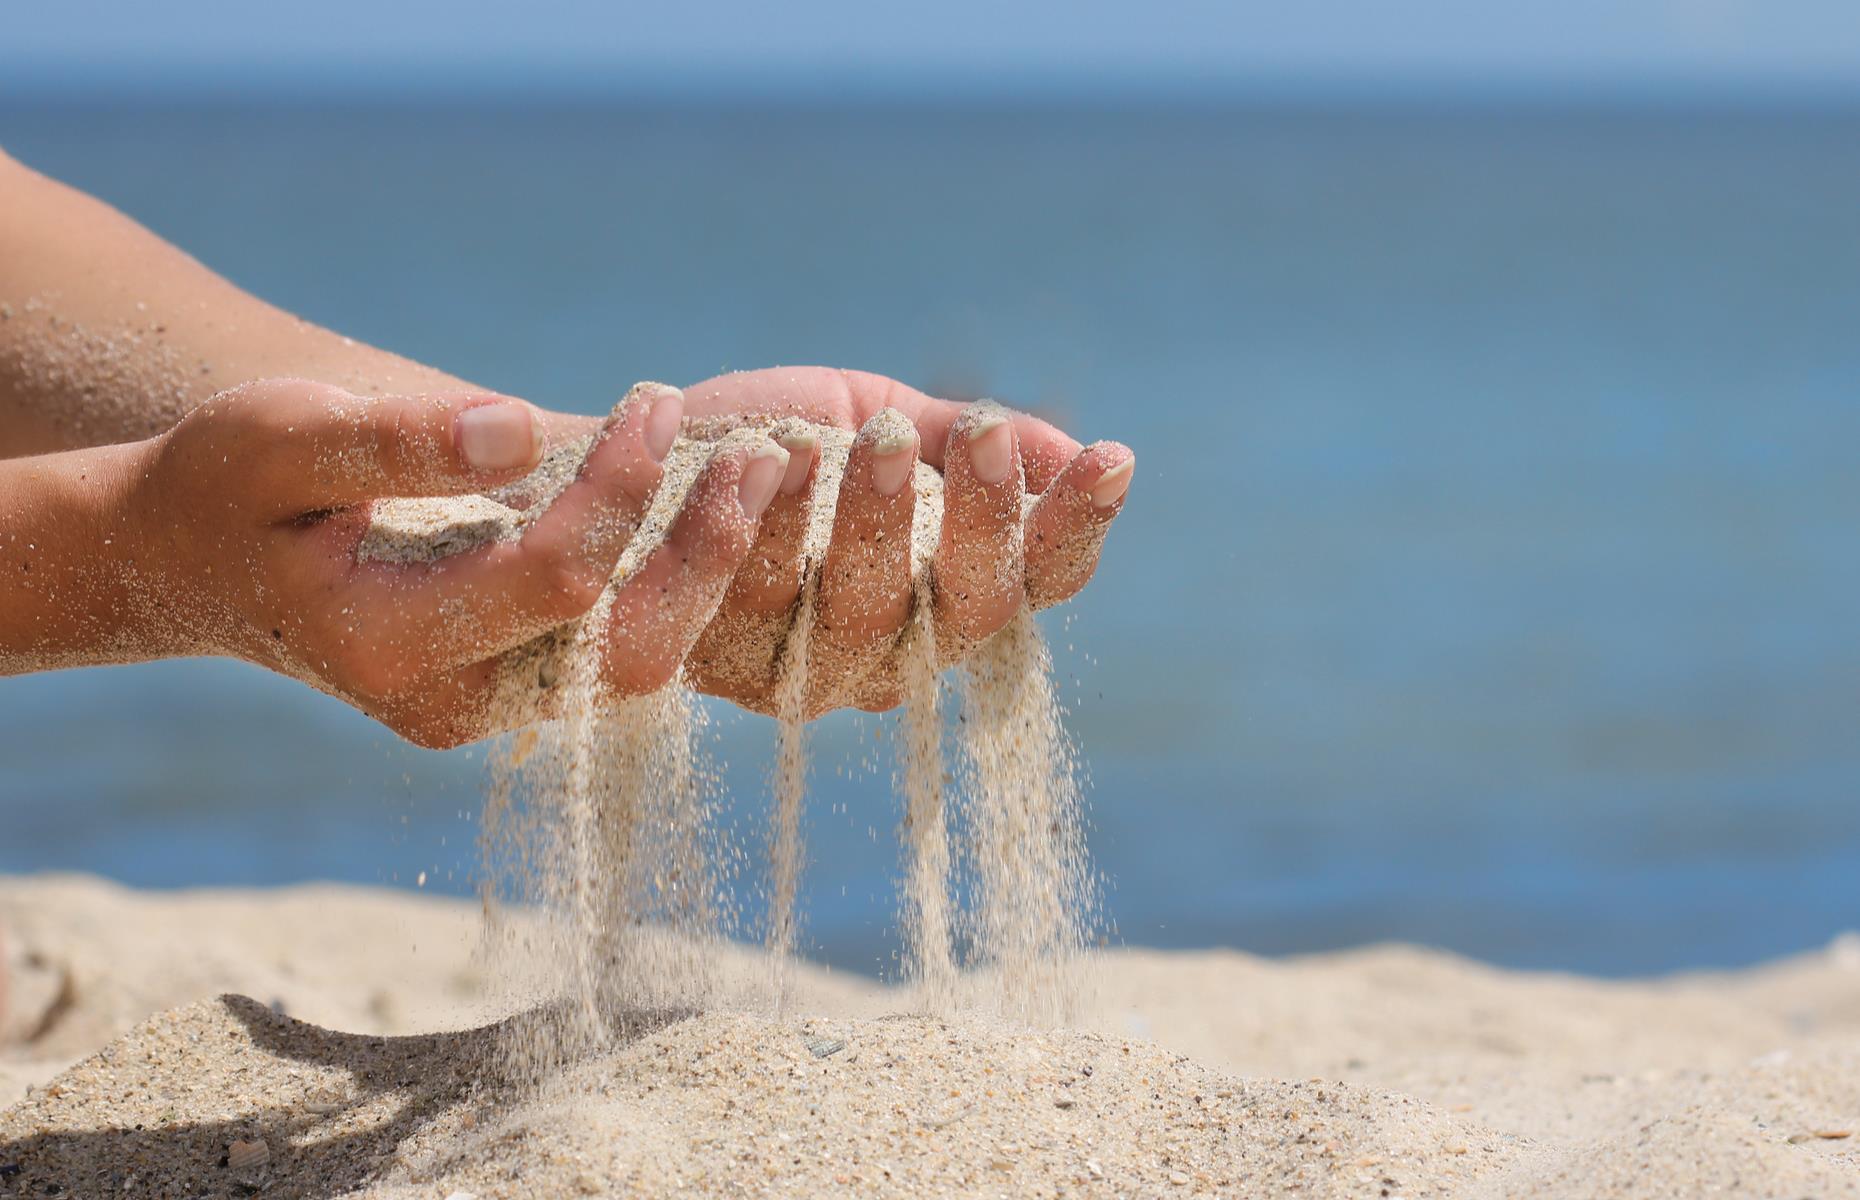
(170, 606)
(139, 544)
(76, 586)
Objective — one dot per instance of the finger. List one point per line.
(848, 399)
(865, 582)
(977, 580)
(1044, 449)
(771, 576)
(308, 445)
(481, 602)
(660, 609)
(660, 408)
(736, 657)
(1067, 526)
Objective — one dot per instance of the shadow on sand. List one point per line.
(332, 1108)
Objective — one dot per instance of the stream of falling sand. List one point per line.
(606, 869)
(928, 955)
(1034, 892)
(790, 781)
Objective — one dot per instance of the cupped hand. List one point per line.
(250, 510)
(991, 559)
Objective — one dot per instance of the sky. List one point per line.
(1764, 45)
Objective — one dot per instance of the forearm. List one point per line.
(109, 334)
(75, 585)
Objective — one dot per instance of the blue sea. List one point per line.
(1491, 577)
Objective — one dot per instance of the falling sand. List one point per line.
(604, 826)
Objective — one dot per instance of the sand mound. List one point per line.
(1553, 1086)
(228, 1097)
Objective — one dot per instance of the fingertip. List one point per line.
(979, 565)
(771, 577)
(1103, 472)
(1100, 472)
(610, 465)
(497, 435)
(889, 441)
(718, 521)
(985, 430)
(978, 417)
(662, 412)
(1113, 485)
(887, 431)
(662, 609)
(1069, 525)
(803, 448)
(763, 472)
(628, 451)
(595, 516)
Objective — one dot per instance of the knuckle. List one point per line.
(725, 552)
(866, 392)
(658, 672)
(568, 586)
(430, 733)
(709, 548)
(389, 437)
(976, 603)
(1047, 592)
(220, 419)
(974, 625)
(642, 674)
(246, 423)
(634, 478)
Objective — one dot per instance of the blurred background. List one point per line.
(1490, 576)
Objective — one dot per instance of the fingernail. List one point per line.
(762, 474)
(662, 420)
(800, 448)
(991, 448)
(891, 464)
(1112, 485)
(889, 437)
(498, 437)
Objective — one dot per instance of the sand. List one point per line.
(1388, 1069)
(600, 820)
(607, 1038)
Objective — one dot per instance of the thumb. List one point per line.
(313, 445)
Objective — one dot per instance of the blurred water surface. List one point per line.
(1490, 578)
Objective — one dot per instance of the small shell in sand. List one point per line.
(244, 1156)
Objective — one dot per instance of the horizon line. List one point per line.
(964, 86)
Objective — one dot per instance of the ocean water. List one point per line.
(1491, 577)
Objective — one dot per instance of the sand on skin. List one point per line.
(1388, 1067)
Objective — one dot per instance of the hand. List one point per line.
(248, 513)
(989, 561)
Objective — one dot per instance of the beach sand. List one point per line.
(326, 1040)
